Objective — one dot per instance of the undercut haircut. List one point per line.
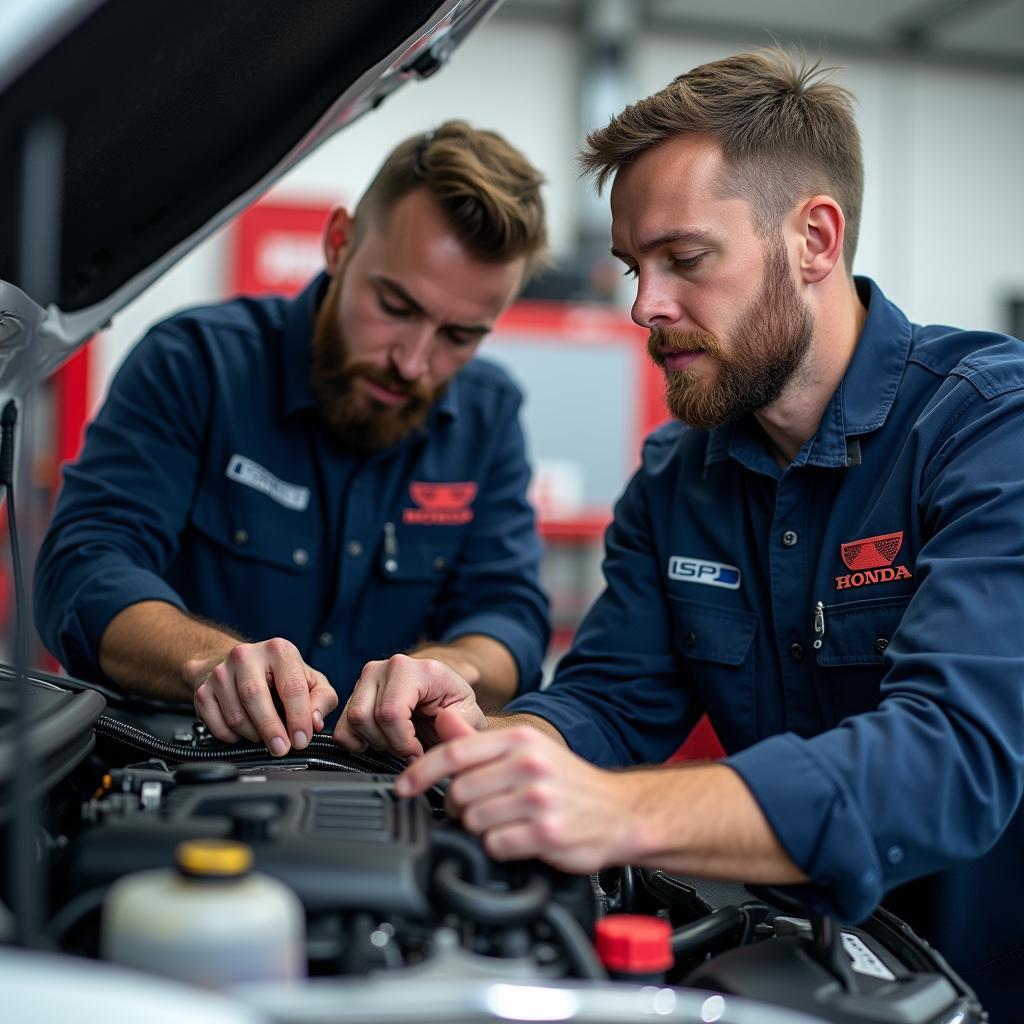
(786, 133)
(486, 188)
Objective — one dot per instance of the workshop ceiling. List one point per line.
(987, 34)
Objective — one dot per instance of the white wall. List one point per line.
(944, 199)
(510, 78)
(943, 154)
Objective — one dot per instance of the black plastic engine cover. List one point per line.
(342, 842)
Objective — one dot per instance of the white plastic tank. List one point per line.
(211, 920)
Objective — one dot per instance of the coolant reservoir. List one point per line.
(211, 920)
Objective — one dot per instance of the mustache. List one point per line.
(663, 341)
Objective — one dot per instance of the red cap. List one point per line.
(634, 943)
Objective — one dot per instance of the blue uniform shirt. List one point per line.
(853, 625)
(206, 482)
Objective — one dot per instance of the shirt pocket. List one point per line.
(852, 653)
(266, 536)
(410, 568)
(717, 645)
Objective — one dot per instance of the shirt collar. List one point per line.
(295, 353)
(295, 357)
(864, 397)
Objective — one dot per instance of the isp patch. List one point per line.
(699, 570)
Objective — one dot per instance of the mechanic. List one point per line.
(278, 494)
(825, 554)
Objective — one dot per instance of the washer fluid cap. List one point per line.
(213, 858)
(634, 943)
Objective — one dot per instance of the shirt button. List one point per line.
(300, 556)
(894, 855)
(691, 640)
(241, 536)
(390, 565)
(796, 652)
(789, 538)
(880, 644)
(354, 548)
(325, 639)
(439, 563)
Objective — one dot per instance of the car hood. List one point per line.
(132, 131)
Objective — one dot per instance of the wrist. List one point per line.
(635, 837)
(455, 659)
(195, 671)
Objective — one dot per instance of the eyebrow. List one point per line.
(400, 293)
(694, 235)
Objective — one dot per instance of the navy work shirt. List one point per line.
(852, 624)
(207, 482)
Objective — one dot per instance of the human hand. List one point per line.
(395, 703)
(527, 796)
(235, 698)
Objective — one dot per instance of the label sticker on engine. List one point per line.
(863, 960)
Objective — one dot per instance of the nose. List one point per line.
(654, 306)
(411, 353)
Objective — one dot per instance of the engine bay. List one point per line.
(392, 889)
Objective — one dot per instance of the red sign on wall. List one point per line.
(278, 247)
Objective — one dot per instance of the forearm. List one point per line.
(155, 649)
(699, 820)
(483, 662)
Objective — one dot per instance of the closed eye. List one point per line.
(688, 262)
(391, 309)
(461, 339)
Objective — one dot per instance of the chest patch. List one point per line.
(252, 474)
(871, 561)
(699, 570)
(440, 504)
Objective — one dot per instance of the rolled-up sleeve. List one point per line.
(123, 504)
(934, 775)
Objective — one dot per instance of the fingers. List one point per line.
(322, 696)
(396, 701)
(253, 690)
(237, 700)
(288, 672)
(356, 729)
(450, 725)
(209, 712)
(218, 697)
(459, 755)
(380, 711)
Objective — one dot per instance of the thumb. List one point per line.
(450, 725)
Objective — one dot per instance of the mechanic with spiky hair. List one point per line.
(279, 495)
(826, 554)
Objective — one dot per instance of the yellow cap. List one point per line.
(213, 858)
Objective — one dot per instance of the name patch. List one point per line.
(252, 474)
(699, 570)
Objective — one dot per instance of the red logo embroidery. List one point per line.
(871, 561)
(872, 552)
(440, 504)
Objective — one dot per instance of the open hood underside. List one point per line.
(169, 117)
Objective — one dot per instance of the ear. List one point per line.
(337, 237)
(822, 228)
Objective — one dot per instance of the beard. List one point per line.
(352, 418)
(769, 340)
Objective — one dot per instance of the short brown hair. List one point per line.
(487, 189)
(785, 131)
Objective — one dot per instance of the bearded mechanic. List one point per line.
(278, 494)
(825, 554)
